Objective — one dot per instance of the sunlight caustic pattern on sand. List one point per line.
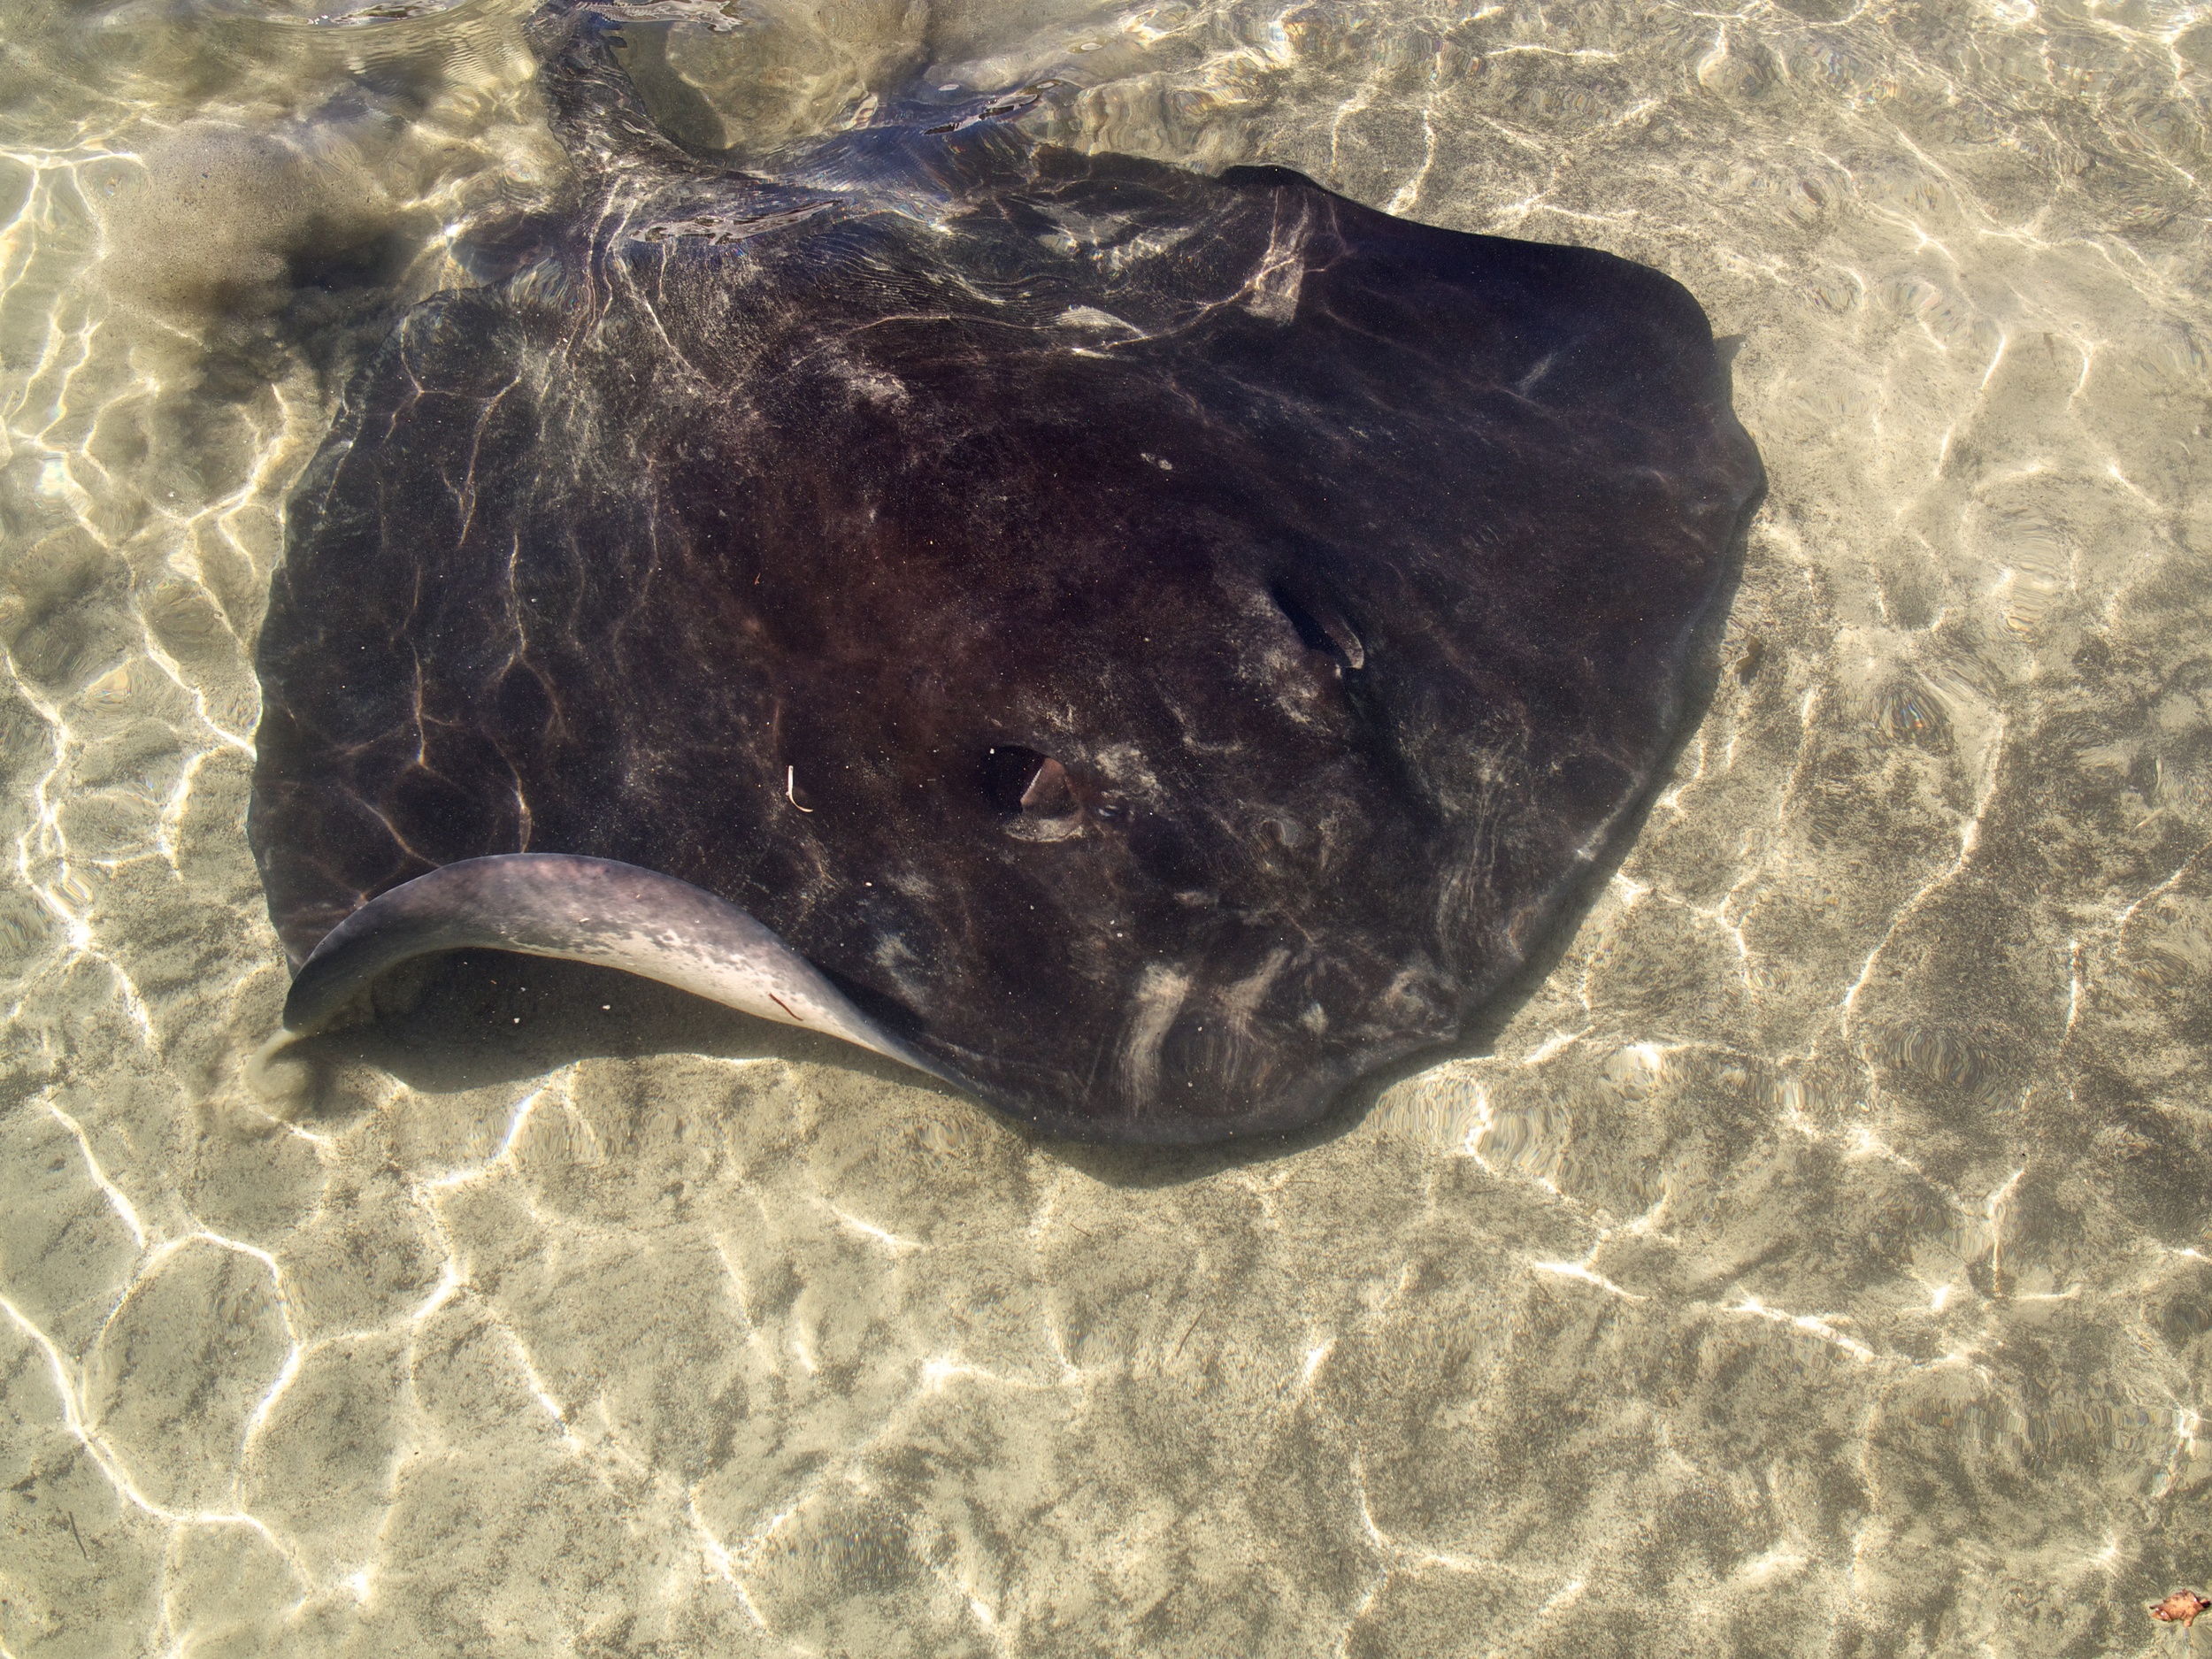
(1821, 1243)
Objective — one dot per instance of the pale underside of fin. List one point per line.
(581, 910)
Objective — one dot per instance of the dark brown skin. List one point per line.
(1164, 644)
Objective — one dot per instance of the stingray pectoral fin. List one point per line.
(583, 909)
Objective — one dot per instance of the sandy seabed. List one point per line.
(1809, 1259)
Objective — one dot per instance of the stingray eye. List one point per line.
(1320, 627)
(1023, 780)
(1050, 793)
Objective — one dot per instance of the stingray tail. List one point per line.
(593, 106)
(916, 149)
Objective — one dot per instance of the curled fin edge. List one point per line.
(577, 909)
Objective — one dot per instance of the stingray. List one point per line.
(1145, 648)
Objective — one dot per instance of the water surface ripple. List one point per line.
(1813, 1261)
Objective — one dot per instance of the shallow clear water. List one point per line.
(1812, 1260)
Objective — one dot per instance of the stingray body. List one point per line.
(1153, 646)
